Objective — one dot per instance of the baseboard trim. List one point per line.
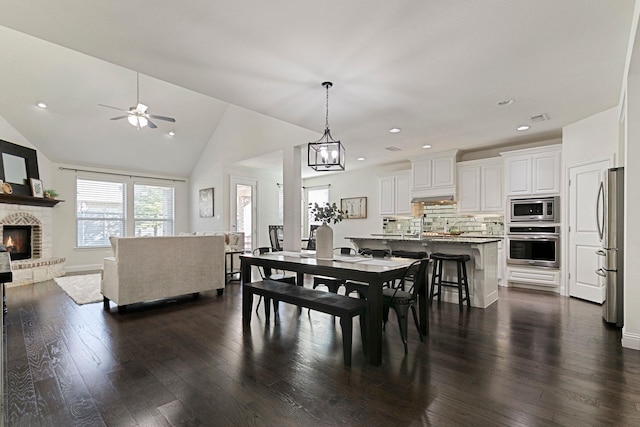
(83, 268)
(631, 341)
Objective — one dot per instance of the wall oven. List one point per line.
(545, 209)
(535, 245)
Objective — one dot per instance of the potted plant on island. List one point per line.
(324, 234)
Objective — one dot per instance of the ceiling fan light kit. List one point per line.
(137, 116)
(326, 154)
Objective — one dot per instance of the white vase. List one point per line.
(324, 242)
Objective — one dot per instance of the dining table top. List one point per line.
(365, 264)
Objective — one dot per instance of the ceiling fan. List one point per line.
(137, 116)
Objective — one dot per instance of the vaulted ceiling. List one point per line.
(436, 69)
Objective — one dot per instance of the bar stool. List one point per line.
(460, 283)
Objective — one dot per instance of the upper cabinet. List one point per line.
(533, 171)
(480, 186)
(395, 193)
(434, 175)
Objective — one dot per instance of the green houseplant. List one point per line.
(327, 213)
(324, 234)
(50, 193)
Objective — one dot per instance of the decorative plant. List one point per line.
(327, 213)
(50, 193)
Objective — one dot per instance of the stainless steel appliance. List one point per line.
(534, 209)
(610, 221)
(535, 245)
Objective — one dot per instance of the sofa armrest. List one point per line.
(109, 284)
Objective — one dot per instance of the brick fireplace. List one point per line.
(39, 264)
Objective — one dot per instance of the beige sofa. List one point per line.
(149, 268)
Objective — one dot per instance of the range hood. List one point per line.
(435, 200)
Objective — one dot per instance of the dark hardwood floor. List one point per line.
(532, 359)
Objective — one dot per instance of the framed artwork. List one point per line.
(355, 207)
(36, 188)
(206, 203)
(17, 165)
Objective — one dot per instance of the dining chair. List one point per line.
(276, 236)
(270, 274)
(415, 279)
(311, 243)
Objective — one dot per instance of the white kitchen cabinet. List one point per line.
(434, 174)
(395, 193)
(533, 171)
(480, 186)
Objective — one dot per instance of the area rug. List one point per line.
(83, 289)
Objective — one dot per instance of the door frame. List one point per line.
(234, 181)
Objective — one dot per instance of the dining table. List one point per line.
(372, 273)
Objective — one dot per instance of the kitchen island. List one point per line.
(482, 269)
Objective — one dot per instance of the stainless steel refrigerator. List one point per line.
(610, 219)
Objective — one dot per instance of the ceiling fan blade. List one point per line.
(118, 118)
(151, 124)
(168, 119)
(109, 106)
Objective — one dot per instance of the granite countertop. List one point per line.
(472, 239)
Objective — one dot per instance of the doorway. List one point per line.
(244, 210)
(584, 283)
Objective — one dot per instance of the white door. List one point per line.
(243, 204)
(584, 283)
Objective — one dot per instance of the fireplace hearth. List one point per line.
(17, 240)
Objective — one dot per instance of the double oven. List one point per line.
(533, 233)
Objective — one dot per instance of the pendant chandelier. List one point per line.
(326, 154)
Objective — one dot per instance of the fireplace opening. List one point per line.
(17, 240)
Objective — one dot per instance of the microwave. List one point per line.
(545, 209)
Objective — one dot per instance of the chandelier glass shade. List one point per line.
(326, 154)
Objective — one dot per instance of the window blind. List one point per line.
(100, 212)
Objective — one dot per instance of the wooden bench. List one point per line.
(337, 305)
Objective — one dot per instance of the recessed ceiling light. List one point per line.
(171, 133)
(523, 127)
(394, 130)
(505, 102)
(426, 146)
(41, 104)
(361, 158)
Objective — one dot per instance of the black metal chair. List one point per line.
(415, 278)
(268, 273)
(311, 243)
(276, 236)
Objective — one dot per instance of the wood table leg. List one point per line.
(247, 295)
(374, 326)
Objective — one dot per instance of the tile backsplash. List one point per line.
(444, 218)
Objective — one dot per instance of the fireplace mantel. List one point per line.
(15, 199)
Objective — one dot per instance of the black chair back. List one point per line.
(276, 236)
(264, 271)
(345, 250)
(311, 243)
(416, 275)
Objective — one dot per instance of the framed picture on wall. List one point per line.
(354, 207)
(206, 203)
(18, 165)
(36, 188)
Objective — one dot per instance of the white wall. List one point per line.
(631, 329)
(360, 183)
(45, 167)
(590, 139)
(241, 134)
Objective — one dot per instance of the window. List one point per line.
(153, 210)
(100, 212)
(319, 195)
